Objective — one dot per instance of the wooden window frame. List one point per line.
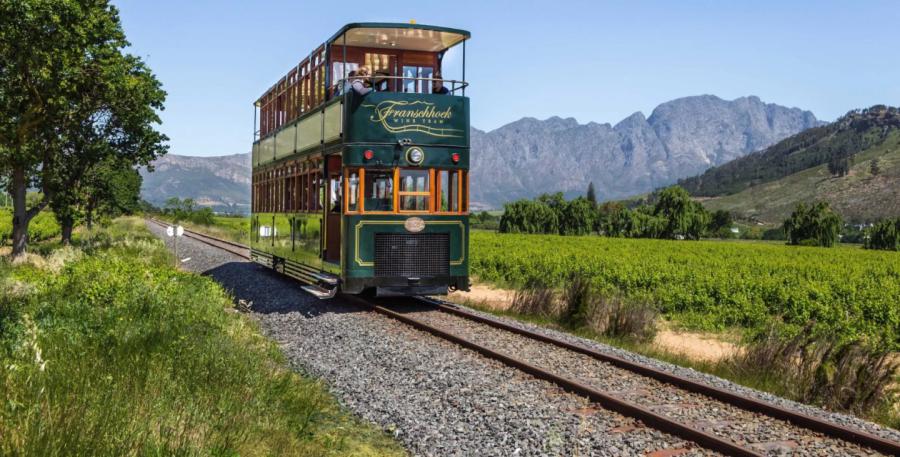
(359, 193)
(398, 194)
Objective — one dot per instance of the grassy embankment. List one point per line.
(108, 350)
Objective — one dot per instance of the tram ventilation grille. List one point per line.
(410, 255)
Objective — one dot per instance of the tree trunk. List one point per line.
(20, 212)
(65, 229)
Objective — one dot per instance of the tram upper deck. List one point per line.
(312, 104)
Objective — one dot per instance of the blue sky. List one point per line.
(594, 61)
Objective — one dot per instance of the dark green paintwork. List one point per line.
(424, 119)
(366, 226)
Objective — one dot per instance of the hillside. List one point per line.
(853, 133)
(768, 184)
(681, 138)
(221, 182)
(859, 196)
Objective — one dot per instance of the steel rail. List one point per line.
(741, 401)
(237, 249)
(799, 419)
(604, 399)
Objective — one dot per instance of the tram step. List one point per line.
(319, 292)
(326, 278)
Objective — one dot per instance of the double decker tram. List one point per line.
(360, 164)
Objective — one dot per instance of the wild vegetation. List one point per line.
(108, 350)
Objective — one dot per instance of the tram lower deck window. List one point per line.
(415, 189)
(379, 190)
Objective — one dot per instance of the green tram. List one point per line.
(360, 183)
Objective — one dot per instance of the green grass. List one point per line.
(847, 292)
(107, 350)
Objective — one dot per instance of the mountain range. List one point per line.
(525, 158)
(681, 138)
(221, 182)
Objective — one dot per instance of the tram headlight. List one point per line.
(415, 155)
(368, 154)
(454, 157)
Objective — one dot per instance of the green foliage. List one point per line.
(42, 227)
(526, 216)
(484, 220)
(120, 354)
(186, 210)
(814, 225)
(884, 235)
(576, 217)
(720, 224)
(850, 293)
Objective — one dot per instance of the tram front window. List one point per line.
(415, 190)
(379, 190)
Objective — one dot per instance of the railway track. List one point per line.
(716, 419)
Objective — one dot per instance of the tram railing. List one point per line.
(374, 81)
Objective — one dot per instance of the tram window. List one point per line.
(417, 86)
(352, 191)
(335, 190)
(378, 190)
(415, 190)
(449, 191)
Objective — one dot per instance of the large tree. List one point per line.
(813, 225)
(69, 98)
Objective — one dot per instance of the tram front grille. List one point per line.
(409, 255)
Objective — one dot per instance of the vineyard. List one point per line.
(846, 292)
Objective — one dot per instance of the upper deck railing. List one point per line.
(376, 84)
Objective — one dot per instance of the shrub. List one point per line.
(815, 225)
(526, 216)
(620, 317)
(535, 300)
(884, 235)
(846, 376)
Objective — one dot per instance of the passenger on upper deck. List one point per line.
(359, 81)
(438, 85)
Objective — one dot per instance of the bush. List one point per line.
(815, 225)
(884, 235)
(535, 300)
(526, 216)
(850, 376)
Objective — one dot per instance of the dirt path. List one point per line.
(697, 346)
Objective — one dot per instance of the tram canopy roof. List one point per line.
(411, 37)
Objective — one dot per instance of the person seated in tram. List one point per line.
(359, 81)
(381, 82)
(438, 85)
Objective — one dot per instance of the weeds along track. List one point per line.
(714, 418)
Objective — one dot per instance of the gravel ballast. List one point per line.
(438, 398)
(756, 431)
